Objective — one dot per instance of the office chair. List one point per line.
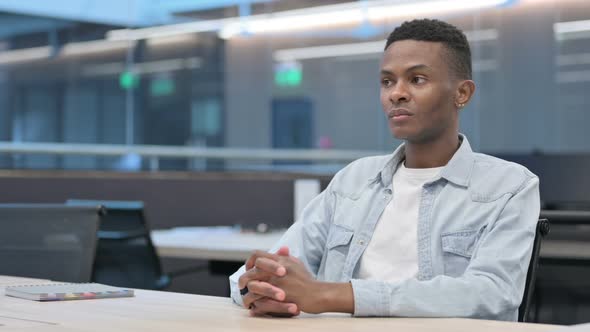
(562, 291)
(48, 241)
(125, 254)
(542, 230)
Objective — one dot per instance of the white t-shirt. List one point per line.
(392, 253)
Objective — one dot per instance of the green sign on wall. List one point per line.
(128, 80)
(288, 74)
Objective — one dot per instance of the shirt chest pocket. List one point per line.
(457, 250)
(337, 246)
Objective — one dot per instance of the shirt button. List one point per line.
(387, 191)
(362, 242)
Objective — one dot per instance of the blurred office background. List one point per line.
(141, 99)
(210, 74)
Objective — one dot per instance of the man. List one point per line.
(434, 230)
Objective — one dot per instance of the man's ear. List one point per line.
(464, 92)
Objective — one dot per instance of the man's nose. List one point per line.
(399, 93)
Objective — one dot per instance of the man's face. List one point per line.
(417, 91)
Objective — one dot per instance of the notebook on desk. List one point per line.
(67, 291)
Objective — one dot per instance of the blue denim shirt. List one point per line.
(476, 227)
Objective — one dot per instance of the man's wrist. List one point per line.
(331, 297)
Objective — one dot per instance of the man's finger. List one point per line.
(256, 274)
(283, 251)
(251, 274)
(250, 298)
(266, 306)
(266, 289)
(258, 253)
(270, 266)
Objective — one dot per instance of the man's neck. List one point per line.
(432, 154)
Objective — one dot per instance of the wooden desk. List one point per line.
(161, 311)
(225, 244)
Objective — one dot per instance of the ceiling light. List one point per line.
(349, 13)
(352, 49)
(328, 51)
(186, 39)
(93, 47)
(308, 18)
(12, 57)
(573, 26)
(166, 30)
(572, 30)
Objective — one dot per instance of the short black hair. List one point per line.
(454, 40)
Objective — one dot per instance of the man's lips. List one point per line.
(399, 113)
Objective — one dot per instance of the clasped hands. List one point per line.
(278, 285)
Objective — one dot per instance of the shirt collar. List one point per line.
(458, 169)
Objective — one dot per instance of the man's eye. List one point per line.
(418, 80)
(386, 82)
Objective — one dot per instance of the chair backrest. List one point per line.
(566, 217)
(125, 255)
(542, 230)
(48, 241)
